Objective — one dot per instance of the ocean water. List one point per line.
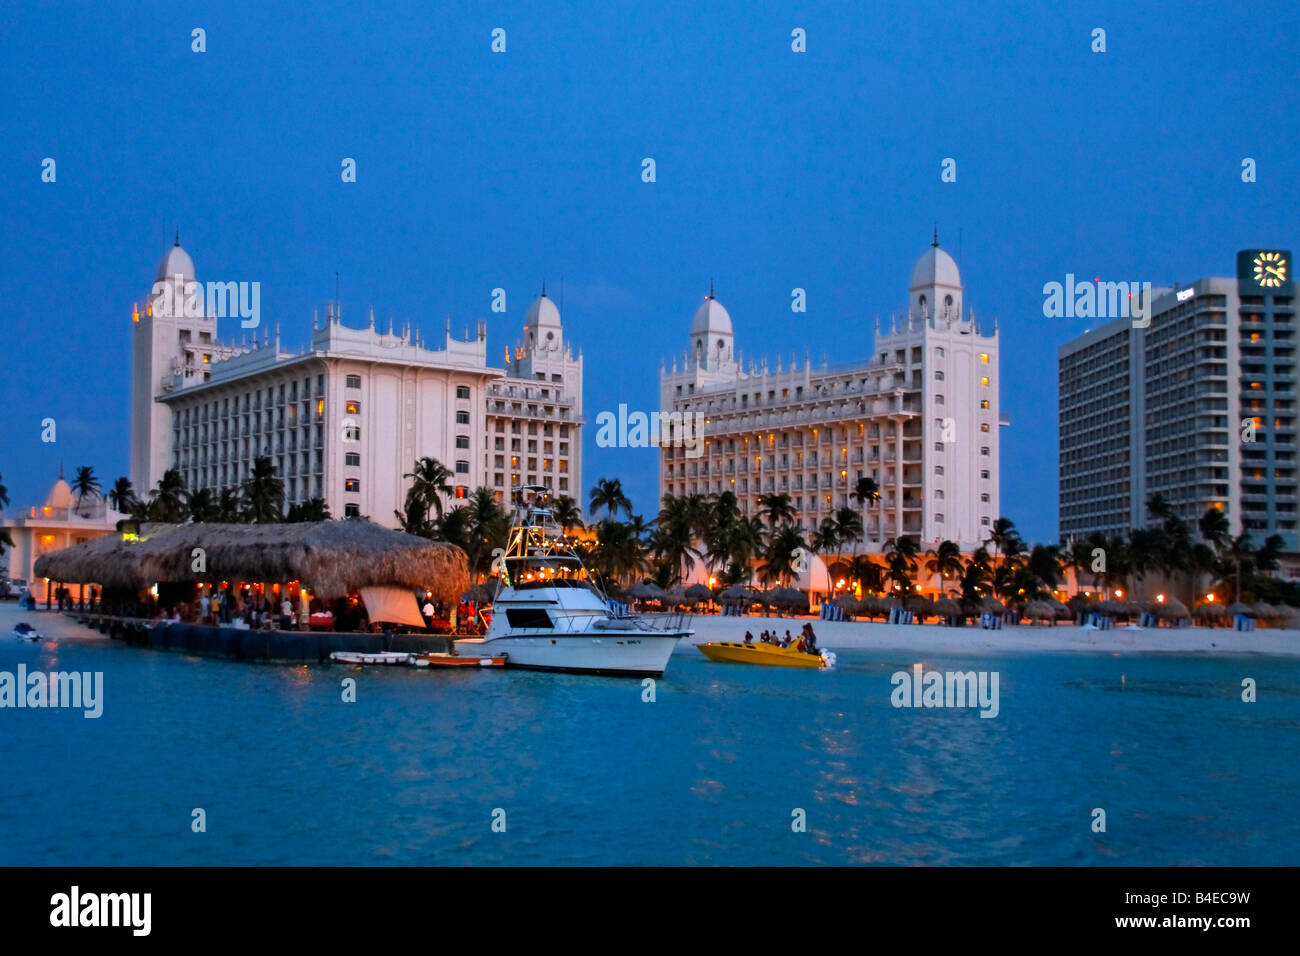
(715, 771)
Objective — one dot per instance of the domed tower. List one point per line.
(542, 329)
(169, 349)
(935, 291)
(712, 339)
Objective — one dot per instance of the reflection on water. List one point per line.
(715, 771)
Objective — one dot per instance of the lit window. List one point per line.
(352, 484)
(984, 379)
(984, 357)
(984, 403)
(353, 408)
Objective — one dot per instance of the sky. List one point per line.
(476, 170)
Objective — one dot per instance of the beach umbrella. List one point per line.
(699, 592)
(1040, 610)
(992, 605)
(947, 607)
(1172, 609)
(1236, 607)
(1210, 612)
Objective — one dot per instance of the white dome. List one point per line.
(60, 495)
(816, 578)
(542, 313)
(175, 262)
(935, 267)
(711, 319)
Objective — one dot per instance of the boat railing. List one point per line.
(665, 621)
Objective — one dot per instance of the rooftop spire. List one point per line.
(178, 235)
(936, 236)
(710, 288)
(543, 288)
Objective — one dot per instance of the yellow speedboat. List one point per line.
(762, 653)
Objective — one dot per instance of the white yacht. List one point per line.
(551, 615)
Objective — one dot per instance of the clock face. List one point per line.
(1270, 269)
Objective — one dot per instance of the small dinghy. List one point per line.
(25, 632)
(360, 657)
(456, 660)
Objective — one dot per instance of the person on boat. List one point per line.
(749, 637)
(810, 639)
(788, 639)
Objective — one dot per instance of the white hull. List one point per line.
(634, 654)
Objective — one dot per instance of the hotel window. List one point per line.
(984, 473)
(984, 403)
(462, 418)
(462, 391)
(352, 459)
(352, 510)
(938, 399)
(984, 427)
(984, 521)
(461, 491)
(938, 518)
(352, 432)
(353, 381)
(353, 408)
(938, 494)
(938, 446)
(462, 468)
(462, 441)
(938, 469)
(984, 498)
(938, 353)
(984, 357)
(352, 484)
(938, 375)
(984, 450)
(984, 379)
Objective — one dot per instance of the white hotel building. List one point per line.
(920, 417)
(347, 418)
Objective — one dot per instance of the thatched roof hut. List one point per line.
(1172, 609)
(1236, 607)
(1041, 610)
(332, 558)
(947, 607)
(992, 605)
(1209, 611)
(699, 592)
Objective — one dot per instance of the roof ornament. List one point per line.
(936, 236)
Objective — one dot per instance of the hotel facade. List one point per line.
(920, 418)
(346, 418)
(1198, 405)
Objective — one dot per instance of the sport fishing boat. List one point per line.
(550, 615)
(760, 652)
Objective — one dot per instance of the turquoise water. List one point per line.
(711, 772)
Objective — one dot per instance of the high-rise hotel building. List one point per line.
(1198, 406)
(920, 417)
(345, 419)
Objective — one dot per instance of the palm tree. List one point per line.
(488, 528)
(608, 493)
(85, 483)
(975, 580)
(869, 575)
(167, 499)
(263, 493)
(1214, 528)
(901, 561)
(428, 485)
(566, 513)
(780, 552)
(1044, 566)
(618, 551)
(826, 538)
(1238, 552)
(313, 509)
(672, 542)
(122, 495)
(866, 492)
(945, 561)
(778, 508)
(849, 523)
(1001, 534)
(227, 506)
(201, 506)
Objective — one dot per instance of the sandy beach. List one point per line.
(867, 635)
(1019, 638)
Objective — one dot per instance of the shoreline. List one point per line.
(878, 636)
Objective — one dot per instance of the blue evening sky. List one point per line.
(476, 170)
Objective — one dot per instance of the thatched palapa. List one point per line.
(331, 558)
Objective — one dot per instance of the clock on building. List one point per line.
(1261, 270)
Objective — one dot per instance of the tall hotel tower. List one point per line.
(920, 417)
(1198, 406)
(345, 419)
